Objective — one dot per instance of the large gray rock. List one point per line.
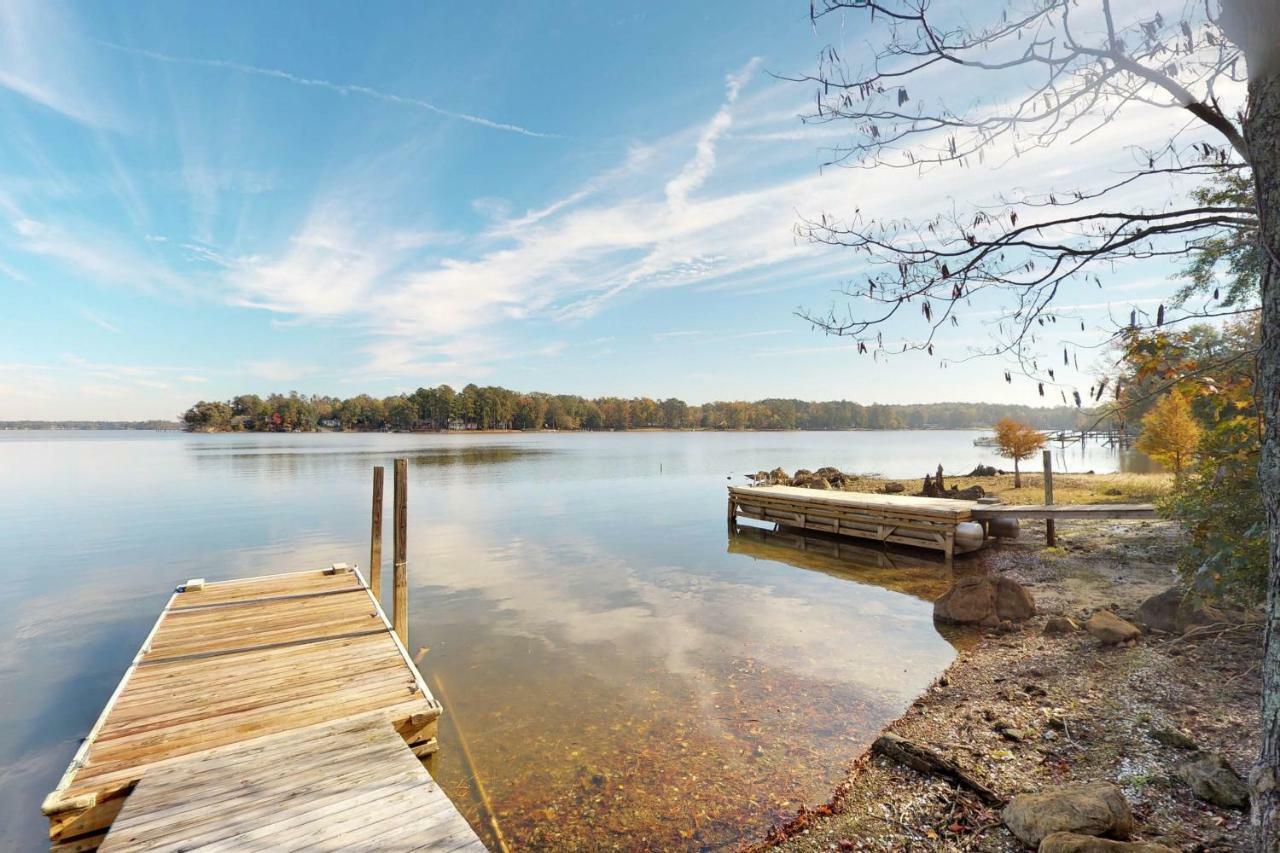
(1213, 780)
(1110, 628)
(1097, 808)
(1171, 612)
(1013, 601)
(1073, 842)
(982, 600)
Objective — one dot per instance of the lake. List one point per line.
(617, 669)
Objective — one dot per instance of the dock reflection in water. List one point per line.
(916, 572)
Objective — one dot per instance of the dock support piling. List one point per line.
(375, 537)
(400, 568)
(1050, 531)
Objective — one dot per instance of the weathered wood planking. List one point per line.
(900, 519)
(905, 505)
(355, 787)
(237, 662)
(1064, 511)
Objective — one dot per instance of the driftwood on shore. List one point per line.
(925, 760)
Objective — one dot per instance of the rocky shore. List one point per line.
(1097, 709)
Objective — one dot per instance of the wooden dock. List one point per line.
(277, 712)
(901, 519)
(940, 524)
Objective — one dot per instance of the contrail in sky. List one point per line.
(340, 88)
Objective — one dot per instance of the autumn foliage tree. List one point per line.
(1017, 441)
(1218, 499)
(1170, 432)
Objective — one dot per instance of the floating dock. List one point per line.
(903, 520)
(278, 712)
(940, 524)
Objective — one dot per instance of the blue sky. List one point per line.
(198, 200)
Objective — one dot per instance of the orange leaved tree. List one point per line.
(1017, 441)
(1170, 432)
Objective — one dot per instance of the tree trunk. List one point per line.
(1254, 26)
(1017, 475)
(1262, 131)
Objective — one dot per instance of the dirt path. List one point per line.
(1024, 711)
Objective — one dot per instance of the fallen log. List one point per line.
(925, 760)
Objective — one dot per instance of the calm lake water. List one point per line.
(617, 669)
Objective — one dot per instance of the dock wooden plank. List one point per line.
(372, 794)
(905, 505)
(257, 713)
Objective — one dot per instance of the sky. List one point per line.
(199, 200)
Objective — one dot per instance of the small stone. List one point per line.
(1172, 737)
(1215, 781)
(894, 488)
(1091, 809)
(1110, 629)
(1074, 842)
(1060, 625)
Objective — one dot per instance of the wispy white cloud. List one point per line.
(648, 223)
(551, 350)
(339, 88)
(696, 171)
(101, 256)
(100, 322)
(39, 62)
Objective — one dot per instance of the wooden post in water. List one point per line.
(1050, 534)
(375, 537)
(400, 568)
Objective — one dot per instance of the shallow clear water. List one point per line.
(617, 669)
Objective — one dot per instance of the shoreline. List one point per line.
(183, 430)
(1024, 711)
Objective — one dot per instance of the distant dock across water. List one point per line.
(940, 524)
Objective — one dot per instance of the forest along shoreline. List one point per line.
(1117, 697)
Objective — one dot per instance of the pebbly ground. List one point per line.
(1025, 711)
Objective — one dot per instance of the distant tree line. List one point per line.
(475, 407)
(90, 425)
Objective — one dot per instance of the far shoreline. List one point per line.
(54, 427)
